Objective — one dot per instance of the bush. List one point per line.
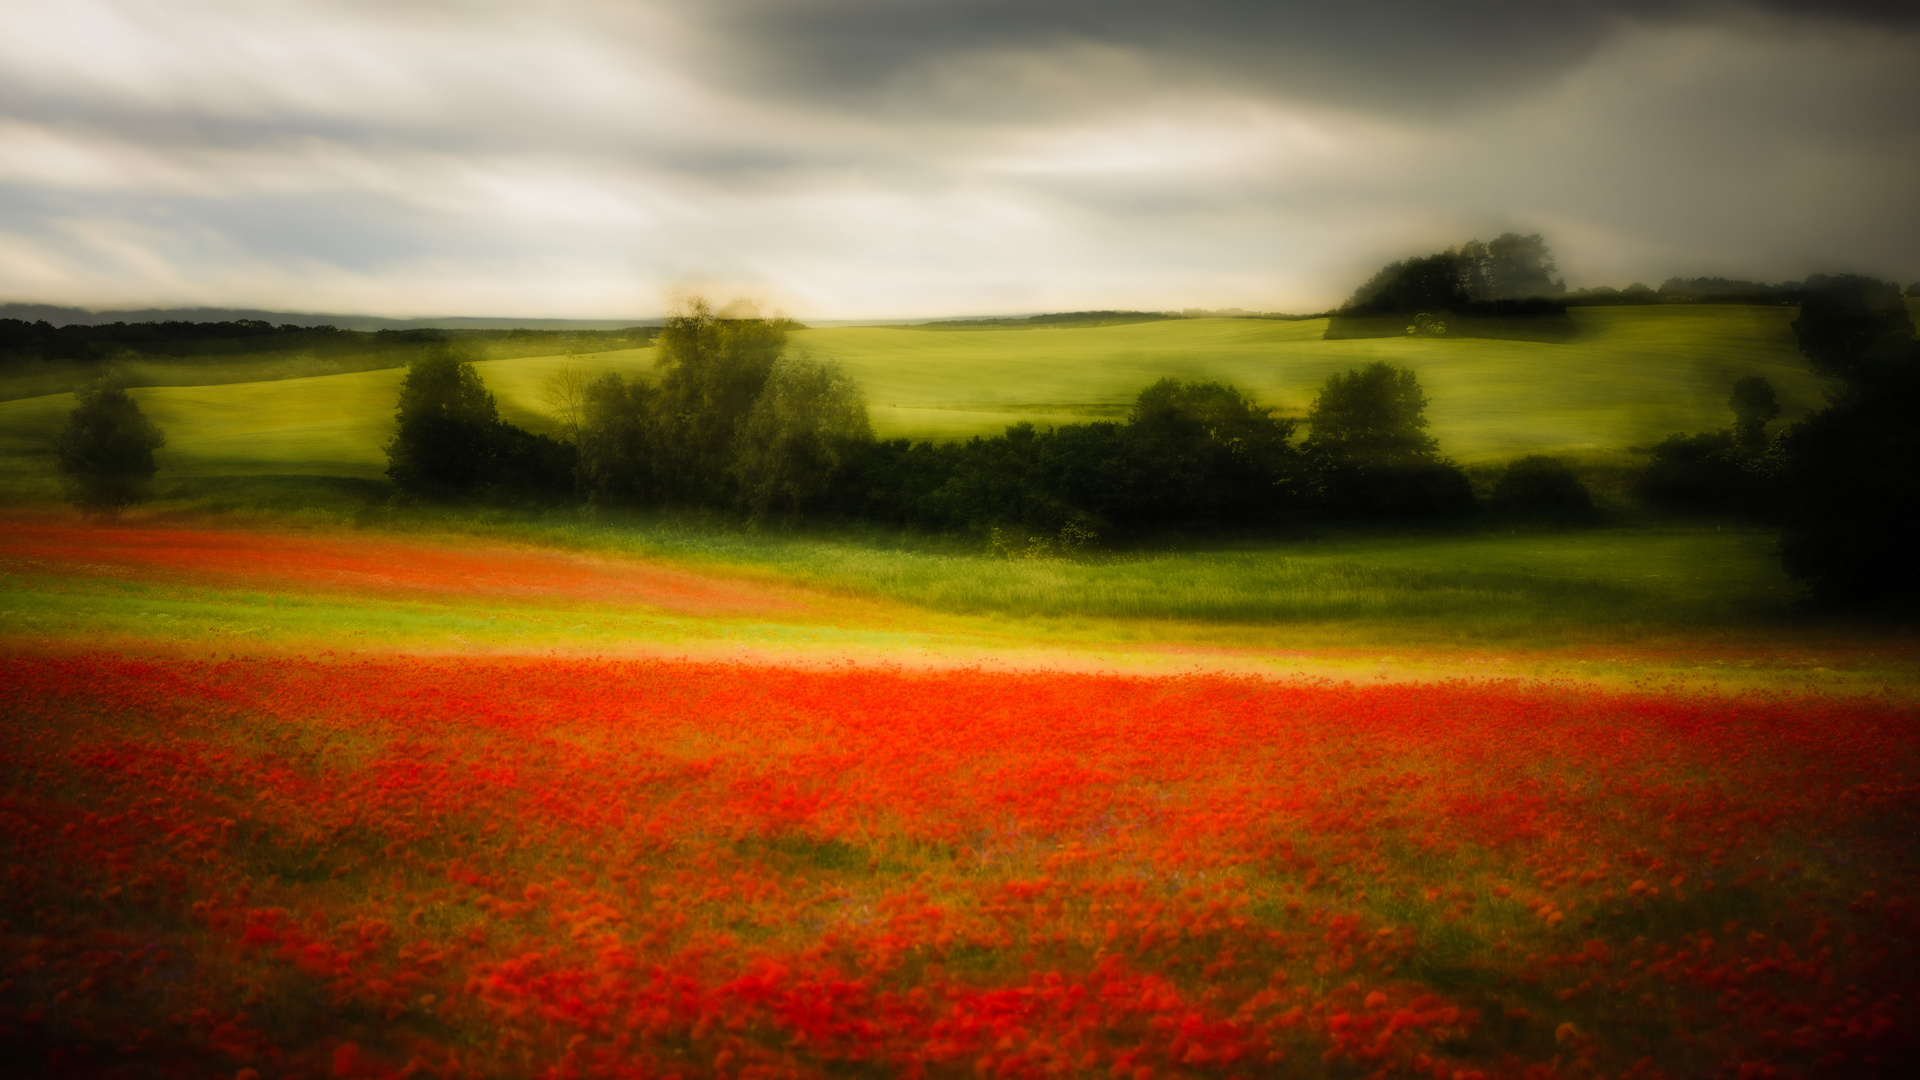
(1539, 488)
(1697, 474)
(105, 454)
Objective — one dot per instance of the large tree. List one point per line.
(445, 442)
(1850, 473)
(451, 441)
(1369, 445)
(809, 417)
(713, 366)
(105, 454)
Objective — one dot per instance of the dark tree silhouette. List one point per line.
(1851, 325)
(1372, 454)
(1850, 473)
(1374, 415)
(1504, 288)
(1540, 488)
(621, 460)
(1754, 406)
(105, 454)
(451, 440)
(445, 443)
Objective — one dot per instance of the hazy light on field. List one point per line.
(852, 159)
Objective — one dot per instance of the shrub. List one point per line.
(1542, 488)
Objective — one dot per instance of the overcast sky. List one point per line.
(896, 158)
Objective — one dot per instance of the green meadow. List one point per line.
(310, 451)
(1632, 376)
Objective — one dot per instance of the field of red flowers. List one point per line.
(385, 867)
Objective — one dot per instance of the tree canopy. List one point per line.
(1375, 415)
(105, 453)
(1850, 473)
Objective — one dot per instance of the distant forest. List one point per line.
(40, 358)
(1507, 288)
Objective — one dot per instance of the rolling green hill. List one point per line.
(1634, 375)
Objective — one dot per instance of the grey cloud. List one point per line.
(1414, 56)
(859, 158)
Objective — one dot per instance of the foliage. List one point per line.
(105, 455)
(1188, 452)
(795, 440)
(451, 441)
(621, 459)
(1850, 474)
(713, 367)
(1754, 406)
(1371, 452)
(1729, 471)
(1542, 488)
(1854, 328)
(1375, 415)
(446, 424)
(1464, 289)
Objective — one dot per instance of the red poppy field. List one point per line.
(499, 867)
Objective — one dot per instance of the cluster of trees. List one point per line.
(1843, 484)
(1729, 471)
(1699, 290)
(1848, 476)
(735, 420)
(1472, 289)
(79, 346)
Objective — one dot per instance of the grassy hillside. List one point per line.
(333, 425)
(1633, 376)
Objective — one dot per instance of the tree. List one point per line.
(794, 440)
(564, 393)
(105, 454)
(1718, 472)
(1850, 324)
(712, 369)
(1754, 406)
(1372, 453)
(447, 419)
(1542, 488)
(1850, 473)
(620, 453)
(1205, 450)
(1516, 267)
(1374, 415)
(1430, 283)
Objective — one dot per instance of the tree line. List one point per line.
(737, 421)
(23, 342)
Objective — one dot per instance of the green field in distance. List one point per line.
(1632, 376)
